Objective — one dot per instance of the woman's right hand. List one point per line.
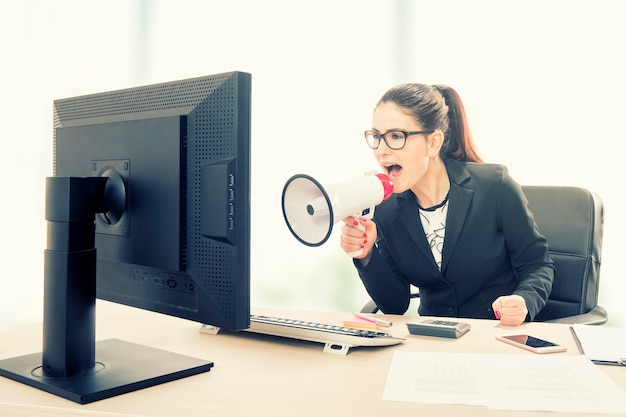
(357, 234)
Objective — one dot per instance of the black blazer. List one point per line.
(492, 247)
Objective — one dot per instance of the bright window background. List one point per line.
(540, 80)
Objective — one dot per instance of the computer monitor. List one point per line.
(179, 242)
(173, 235)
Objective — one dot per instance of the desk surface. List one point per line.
(263, 375)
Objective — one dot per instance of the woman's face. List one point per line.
(406, 167)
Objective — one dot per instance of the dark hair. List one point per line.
(438, 107)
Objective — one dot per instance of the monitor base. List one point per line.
(121, 367)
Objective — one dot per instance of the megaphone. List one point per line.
(310, 210)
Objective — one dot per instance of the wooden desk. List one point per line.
(258, 375)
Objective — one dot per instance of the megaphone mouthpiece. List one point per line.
(387, 186)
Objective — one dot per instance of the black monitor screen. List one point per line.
(176, 238)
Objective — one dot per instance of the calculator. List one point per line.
(439, 328)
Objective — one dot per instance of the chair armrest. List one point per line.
(596, 316)
(371, 307)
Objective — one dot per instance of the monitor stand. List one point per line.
(122, 367)
(67, 366)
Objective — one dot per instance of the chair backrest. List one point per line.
(572, 220)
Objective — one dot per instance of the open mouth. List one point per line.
(393, 170)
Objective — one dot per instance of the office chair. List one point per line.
(572, 220)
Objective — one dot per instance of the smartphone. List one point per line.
(534, 344)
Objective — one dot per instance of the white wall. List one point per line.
(543, 82)
(540, 80)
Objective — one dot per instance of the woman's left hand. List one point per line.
(510, 309)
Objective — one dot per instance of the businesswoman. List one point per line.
(457, 228)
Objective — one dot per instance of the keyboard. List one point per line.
(336, 339)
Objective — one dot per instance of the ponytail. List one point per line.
(459, 143)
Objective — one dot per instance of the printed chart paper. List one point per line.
(551, 382)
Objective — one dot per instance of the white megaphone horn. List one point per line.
(310, 210)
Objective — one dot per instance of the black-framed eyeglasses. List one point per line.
(394, 139)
